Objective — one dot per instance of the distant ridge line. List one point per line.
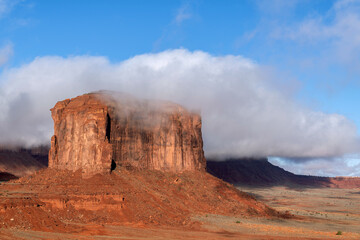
(261, 173)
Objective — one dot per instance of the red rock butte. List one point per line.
(98, 132)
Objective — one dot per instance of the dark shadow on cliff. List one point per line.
(113, 165)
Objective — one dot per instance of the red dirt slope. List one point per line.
(53, 200)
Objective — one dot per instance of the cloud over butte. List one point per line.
(245, 111)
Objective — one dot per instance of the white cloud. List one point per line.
(338, 31)
(245, 112)
(5, 53)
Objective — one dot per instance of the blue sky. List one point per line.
(312, 47)
(122, 29)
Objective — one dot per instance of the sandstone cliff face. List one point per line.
(100, 131)
(79, 140)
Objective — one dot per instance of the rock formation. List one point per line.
(98, 132)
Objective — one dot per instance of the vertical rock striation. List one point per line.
(97, 132)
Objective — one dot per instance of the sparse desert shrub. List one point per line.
(238, 222)
(339, 233)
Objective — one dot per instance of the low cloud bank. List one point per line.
(245, 111)
(327, 167)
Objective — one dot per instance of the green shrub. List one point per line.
(237, 221)
(339, 233)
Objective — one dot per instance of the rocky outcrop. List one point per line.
(101, 131)
(79, 140)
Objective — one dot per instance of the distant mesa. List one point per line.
(101, 131)
(20, 162)
(259, 172)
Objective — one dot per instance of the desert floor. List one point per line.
(321, 213)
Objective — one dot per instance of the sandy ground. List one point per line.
(321, 213)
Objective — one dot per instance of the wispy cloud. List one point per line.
(6, 6)
(245, 38)
(277, 7)
(5, 53)
(172, 33)
(3, 7)
(338, 29)
(344, 3)
(183, 13)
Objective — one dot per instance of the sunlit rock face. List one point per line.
(101, 131)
